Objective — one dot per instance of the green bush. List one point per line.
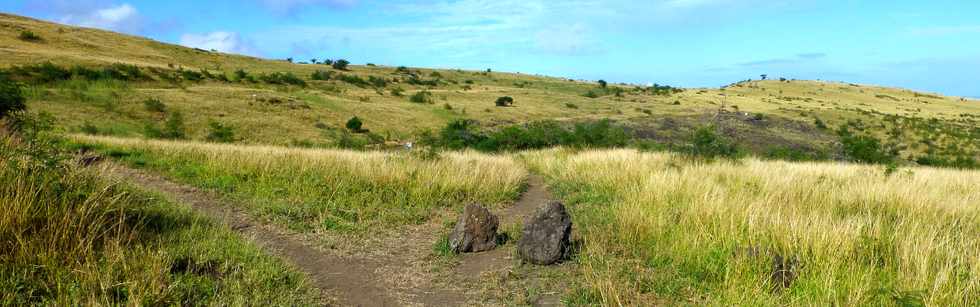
(220, 133)
(354, 124)
(505, 101)
(173, 128)
(354, 80)
(464, 133)
(864, 148)
(706, 143)
(321, 75)
(29, 36)
(11, 97)
(421, 97)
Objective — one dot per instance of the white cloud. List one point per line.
(288, 7)
(123, 18)
(229, 42)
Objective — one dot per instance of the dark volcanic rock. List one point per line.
(476, 230)
(545, 239)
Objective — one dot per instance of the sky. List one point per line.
(921, 45)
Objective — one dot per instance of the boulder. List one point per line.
(475, 231)
(545, 239)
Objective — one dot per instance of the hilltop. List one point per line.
(279, 102)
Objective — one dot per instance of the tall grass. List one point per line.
(324, 190)
(661, 229)
(67, 237)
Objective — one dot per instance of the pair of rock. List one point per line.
(545, 239)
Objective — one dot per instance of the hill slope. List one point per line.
(761, 115)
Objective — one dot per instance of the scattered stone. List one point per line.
(475, 231)
(784, 270)
(546, 235)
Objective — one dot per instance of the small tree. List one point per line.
(290, 60)
(764, 76)
(354, 124)
(341, 64)
(603, 83)
(11, 97)
(505, 101)
(313, 60)
(327, 62)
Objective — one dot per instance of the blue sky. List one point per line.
(923, 45)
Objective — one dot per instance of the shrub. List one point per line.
(571, 105)
(191, 75)
(321, 75)
(402, 70)
(220, 133)
(603, 83)
(355, 80)
(591, 94)
(29, 36)
(505, 101)
(241, 75)
(11, 97)
(327, 62)
(340, 64)
(459, 134)
(154, 105)
(864, 148)
(377, 82)
(706, 143)
(354, 124)
(286, 78)
(174, 127)
(397, 92)
(421, 97)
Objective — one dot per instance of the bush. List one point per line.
(819, 124)
(154, 105)
(355, 80)
(377, 82)
(354, 124)
(174, 127)
(463, 133)
(220, 133)
(286, 78)
(421, 97)
(706, 143)
(29, 36)
(397, 92)
(340, 64)
(505, 101)
(321, 75)
(603, 83)
(864, 148)
(11, 97)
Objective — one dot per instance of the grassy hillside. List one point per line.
(762, 115)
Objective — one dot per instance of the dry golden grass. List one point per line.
(320, 189)
(659, 226)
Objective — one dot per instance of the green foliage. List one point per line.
(422, 96)
(354, 124)
(280, 78)
(340, 64)
(29, 36)
(173, 128)
(707, 143)
(819, 124)
(354, 80)
(603, 83)
(504, 101)
(321, 75)
(864, 148)
(11, 97)
(788, 153)
(220, 133)
(462, 133)
(960, 161)
(397, 92)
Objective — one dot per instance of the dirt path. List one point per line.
(346, 281)
(396, 269)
